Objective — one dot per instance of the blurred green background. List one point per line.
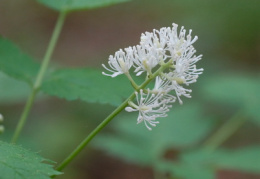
(229, 39)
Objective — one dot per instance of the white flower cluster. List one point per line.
(164, 47)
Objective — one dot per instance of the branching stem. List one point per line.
(40, 75)
(83, 144)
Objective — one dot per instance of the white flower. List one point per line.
(179, 44)
(156, 39)
(120, 63)
(150, 107)
(151, 51)
(166, 86)
(182, 52)
(185, 69)
(163, 86)
(144, 60)
(166, 48)
(156, 42)
(180, 91)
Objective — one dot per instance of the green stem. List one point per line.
(226, 131)
(24, 115)
(40, 75)
(83, 144)
(135, 86)
(50, 49)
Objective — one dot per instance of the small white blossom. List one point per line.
(150, 52)
(175, 84)
(163, 86)
(144, 60)
(166, 86)
(185, 68)
(156, 42)
(150, 107)
(180, 91)
(156, 39)
(120, 63)
(179, 44)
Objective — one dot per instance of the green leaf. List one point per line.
(19, 163)
(236, 90)
(15, 63)
(200, 164)
(192, 172)
(245, 159)
(12, 90)
(88, 85)
(186, 171)
(184, 127)
(73, 5)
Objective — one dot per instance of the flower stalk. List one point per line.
(41, 73)
(172, 55)
(83, 144)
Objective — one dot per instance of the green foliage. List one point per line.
(12, 90)
(201, 164)
(17, 162)
(85, 84)
(15, 63)
(74, 5)
(245, 159)
(236, 90)
(184, 127)
(88, 85)
(186, 170)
